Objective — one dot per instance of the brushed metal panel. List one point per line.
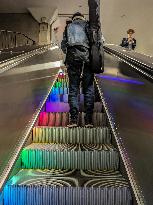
(21, 96)
(130, 101)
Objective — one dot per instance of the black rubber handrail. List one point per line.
(141, 67)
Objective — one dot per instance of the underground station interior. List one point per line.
(42, 160)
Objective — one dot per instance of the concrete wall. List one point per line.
(23, 23)
(120, 15)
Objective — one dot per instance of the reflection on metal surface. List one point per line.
(123, 152)
(64, 152)
(21, 98)
(131, 109)
(119, 79)
(137, 53)
(36, 67)
(8, 64)
(139, 62)
(23, 139)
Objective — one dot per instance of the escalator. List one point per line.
(63, 166)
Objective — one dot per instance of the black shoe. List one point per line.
(88, 122)
(89, 125)
(72, 124)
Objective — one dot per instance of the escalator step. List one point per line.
(66, 166)
(64, 107)
(59, 84)
(71, 136)
(63, 98)
(57, 107)
(56, 187)
(70, 156)
(62, 77)
(62, 90)
(62, 119)
(59, 91)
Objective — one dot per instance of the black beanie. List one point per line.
(77, 14)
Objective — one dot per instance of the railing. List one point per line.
(142, 68)
(16, 60)
(11, 39)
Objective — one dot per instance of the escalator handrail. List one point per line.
(140, 66)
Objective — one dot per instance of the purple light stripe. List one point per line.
(119, 79)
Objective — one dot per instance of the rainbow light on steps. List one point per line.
(31, 189)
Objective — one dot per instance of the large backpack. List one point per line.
(78, 41)
(77, 33)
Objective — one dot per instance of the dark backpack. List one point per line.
(77, 41)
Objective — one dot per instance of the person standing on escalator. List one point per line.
(129, 42)
(75, 45)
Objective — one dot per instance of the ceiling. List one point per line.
(64, 6)
(67, 6)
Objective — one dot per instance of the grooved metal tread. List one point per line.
(63, 98)
(70, 147)
(80, 178)
(70, 156)
(61, 119)
(77, 135)
(56, 187)
(66, 166)
(64, 107)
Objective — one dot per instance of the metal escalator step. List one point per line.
(58, 98)
(59, 91)
(62, 78)
(63, 84)
(57, 84)
(59, 119)
(71, 136)
(54, 98)
(56, 187)
(70, 156)
(57, 107)
(62, 90)
(64, 107)
(99, 119)
(98, 107)
(63, 98)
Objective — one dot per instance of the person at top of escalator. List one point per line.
(75, 45)
(129, 42)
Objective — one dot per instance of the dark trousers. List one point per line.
(75, 69)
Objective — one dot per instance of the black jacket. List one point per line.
(125, 43)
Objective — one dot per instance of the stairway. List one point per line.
(65, 166)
